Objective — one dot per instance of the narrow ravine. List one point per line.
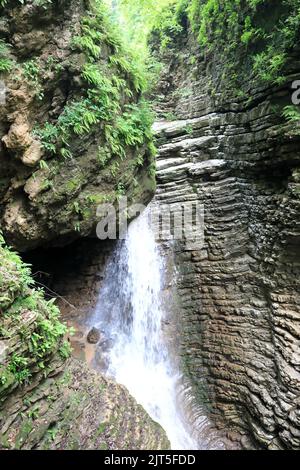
(130, 315)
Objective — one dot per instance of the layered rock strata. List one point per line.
(239, 292)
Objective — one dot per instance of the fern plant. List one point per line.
(18, 366)
(292, 114)
(100, 106)
(5, 62)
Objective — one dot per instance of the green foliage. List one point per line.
(6, 63)
(31, 72)
(4, 377)
(48, 333)
(135, 124)
(100, 107)
(65, 350)
(87, 43)
(137, 19)
(104, 155)
(268, 65)
(167, 26)
(120, 190)
(78, 118)
(140, 18)
(292, 114)
(170, 116)
(250, 37)
(19, 367)
(48, 136)
(44, 165)
(43, 336)
(33, 413)
(77, 227)
(255, 31)
(52, 433)
(189, 129)
(15, 275)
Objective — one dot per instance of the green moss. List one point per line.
(4, 442)
(7, 379)
(73, 185)
(103, 446)
(101, 428)
(25, 430)
(65, 379)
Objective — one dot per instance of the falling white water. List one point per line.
(130, 315)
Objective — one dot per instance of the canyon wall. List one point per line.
(238, 157)
(74, 133)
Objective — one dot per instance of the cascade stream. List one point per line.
(130, 315)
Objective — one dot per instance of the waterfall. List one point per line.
(130, 316)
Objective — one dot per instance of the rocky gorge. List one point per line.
(227, 147)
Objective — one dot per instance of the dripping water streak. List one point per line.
(130, 315)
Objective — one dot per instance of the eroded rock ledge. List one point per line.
(77, 409)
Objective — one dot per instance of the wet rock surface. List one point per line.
(239, 292)
(94, 336)
(77, 409)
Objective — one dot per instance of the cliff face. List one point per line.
(48, 401)
(236, 155)
(74, 131)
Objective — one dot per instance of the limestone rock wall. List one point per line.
(65, 147)
(240, 317)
